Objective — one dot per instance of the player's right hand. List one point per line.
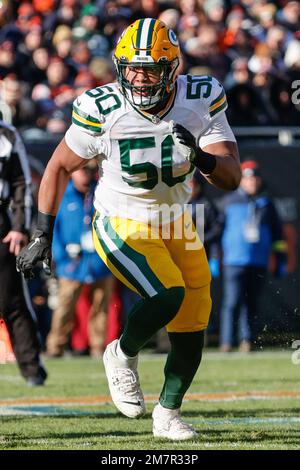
(39, 249)
(183, 140)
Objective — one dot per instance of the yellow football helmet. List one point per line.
(147, 43)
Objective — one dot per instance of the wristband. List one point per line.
(45, 223)
(205, 162)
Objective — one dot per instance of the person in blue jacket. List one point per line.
(251, 229)
(77, 264)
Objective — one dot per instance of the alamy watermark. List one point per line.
(161, 221)
(296, 354)
(296, 94)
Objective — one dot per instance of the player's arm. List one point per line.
(62, 163)
(226, 173)
(216, 154)
(78, 146)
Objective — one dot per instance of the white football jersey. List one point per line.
(143, 175)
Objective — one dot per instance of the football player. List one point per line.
(148, 131)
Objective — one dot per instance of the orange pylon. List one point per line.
(6, 350)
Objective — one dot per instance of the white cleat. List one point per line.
(169, 425)
(123, 382)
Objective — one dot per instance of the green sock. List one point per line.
(148, 316)
(181, 367)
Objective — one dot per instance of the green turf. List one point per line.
(241, 424)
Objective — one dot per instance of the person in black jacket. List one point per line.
(15, 217)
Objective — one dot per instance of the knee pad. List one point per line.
(194, 312)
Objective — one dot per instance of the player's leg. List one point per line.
(141, 260)
(186, 333)
(145, 265)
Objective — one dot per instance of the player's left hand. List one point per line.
(39, 249)
(183, 140)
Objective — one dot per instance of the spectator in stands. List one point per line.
(57, 76)
(102, 70)
(35, 67)
(9, 59)
(40, 64)
(239, 73)
(215, 12)
(62, 41)
(204, 50)
(242, 46)
(27, 18)
(289, 15)
(233, 25)
(80, 56)
(251, 228)
(87, 25)
(45, 105)
(170, 17)
(246, 106)
(32, 41)
(77, 264)
(57, 123)
(17, 108)
(64, 13)
(266, 19)
(5, 13)
(84, 81)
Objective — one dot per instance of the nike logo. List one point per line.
(187, 225)
(78, 102)
(36, 242)
(135, 403)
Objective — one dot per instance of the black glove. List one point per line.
(39, 249)
(187, 146)
(184, 141)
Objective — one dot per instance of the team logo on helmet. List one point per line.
(172, 37)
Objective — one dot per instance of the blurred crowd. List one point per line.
(53, 50)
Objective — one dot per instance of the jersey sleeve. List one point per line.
(217, 102)
(87, 126)
(218, 131)
(86, 115)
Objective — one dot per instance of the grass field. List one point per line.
(236, 402)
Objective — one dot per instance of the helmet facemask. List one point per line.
(147, 96)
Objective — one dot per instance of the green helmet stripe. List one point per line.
(138, 36)
(149, 37)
